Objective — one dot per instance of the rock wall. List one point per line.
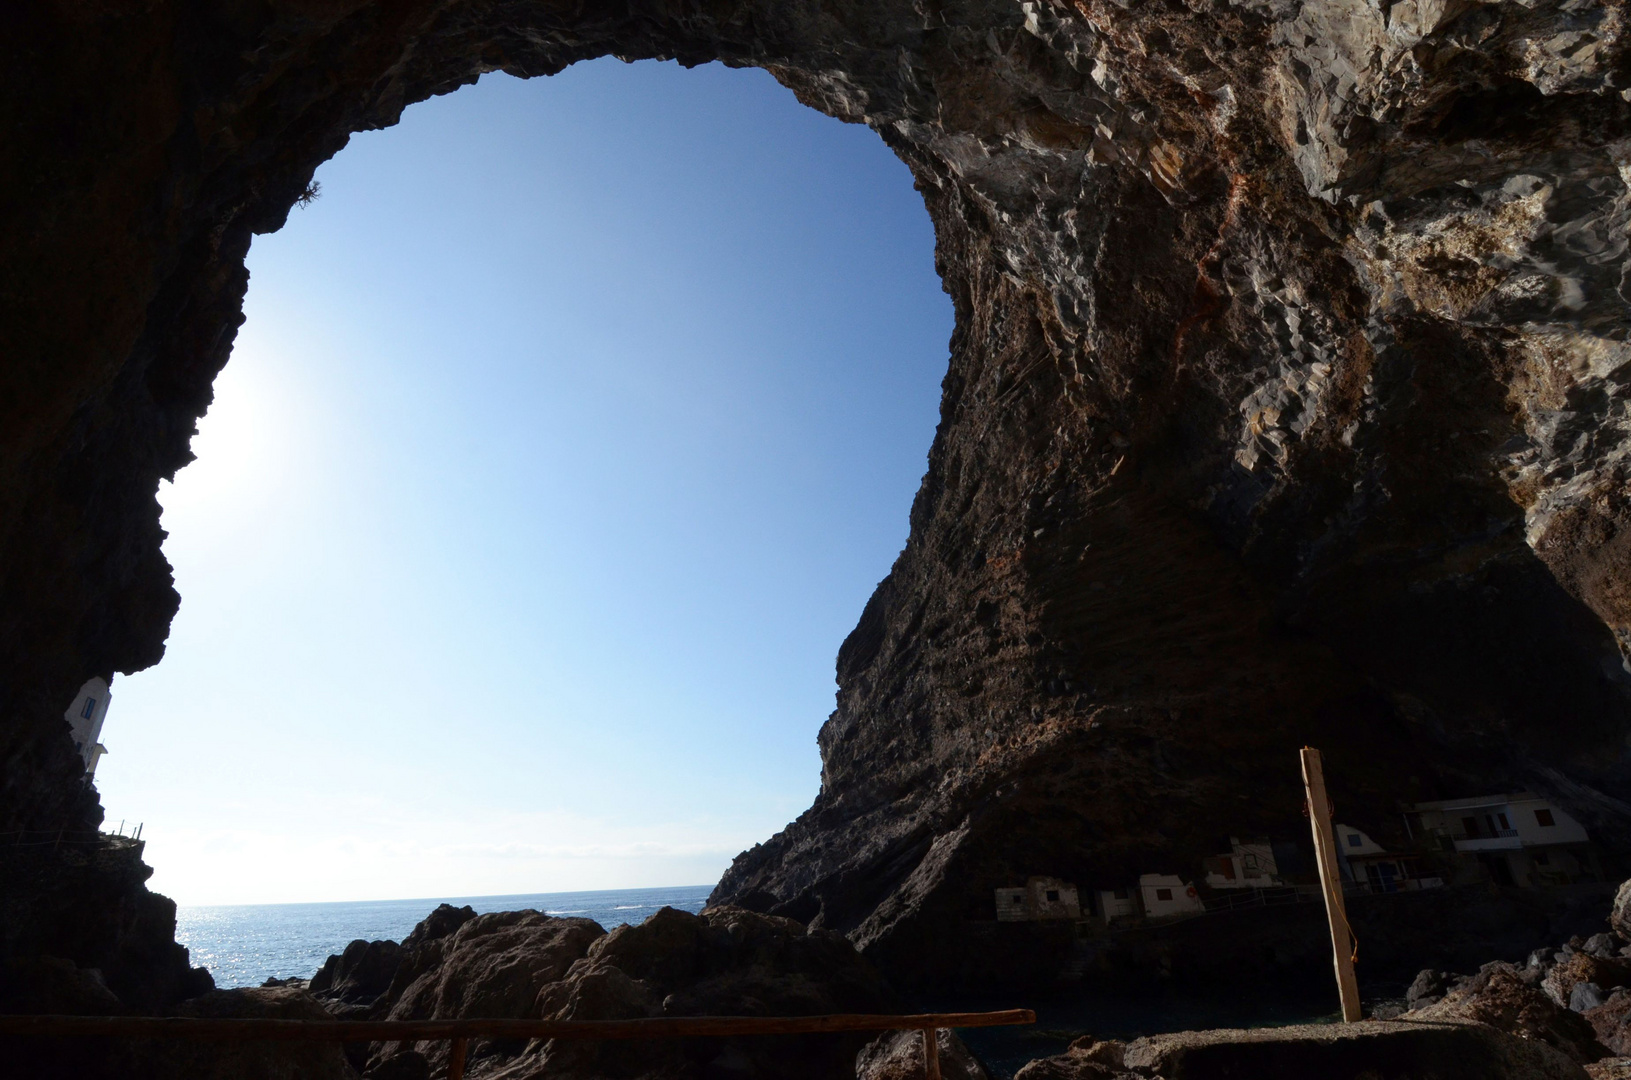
(1286, 401)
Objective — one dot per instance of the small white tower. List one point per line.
(85, 717)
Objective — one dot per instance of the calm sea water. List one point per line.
(246, 944)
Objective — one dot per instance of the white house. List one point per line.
(1521, 838)
(1249, 865)
(1363, 860)
(1040, 898)
(1117, 904)
(1168, 894)
(85, 718)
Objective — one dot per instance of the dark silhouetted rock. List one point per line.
(175, 1059)
(400, 1065)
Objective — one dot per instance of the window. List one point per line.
(1121, 894)
(1541, 858)
(1470, 825)
(1505, 825)
(1053, 896)
(90, 707)
(1355, 840)
(1163, 894)
(1018, 899)
(1544, 817)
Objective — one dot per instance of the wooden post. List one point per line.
(1325, 853)
(455, 1062)
(931, 1053)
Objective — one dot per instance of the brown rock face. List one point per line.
(1286, 402)
(724, 962)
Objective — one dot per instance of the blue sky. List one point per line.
(568, 433)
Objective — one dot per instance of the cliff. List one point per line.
(1286, 401)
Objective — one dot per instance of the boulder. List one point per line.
(1582, 967)
(898, 1055)
(359, 975)
(493, 965)
(1601, 945)
(1612, 1022)
(439, 924)
(1427, 987)
(1619, 917)
(724, 962)
(1501, 998)
(1087, 1059)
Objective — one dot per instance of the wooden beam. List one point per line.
(455, 1061)
(931, 1053)
(1325, 854)
(663, 1027)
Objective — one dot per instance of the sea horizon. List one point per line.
(246, 944)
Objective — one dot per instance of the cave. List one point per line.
(1285, 407)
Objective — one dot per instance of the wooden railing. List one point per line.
(459, 1032)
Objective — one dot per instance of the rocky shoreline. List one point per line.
(1564, 1012)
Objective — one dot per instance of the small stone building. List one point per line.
(1039, 898)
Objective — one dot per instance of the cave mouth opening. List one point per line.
(567, 434)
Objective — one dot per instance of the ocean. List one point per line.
(246, 944)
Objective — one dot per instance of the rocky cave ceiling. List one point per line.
(1287, 400)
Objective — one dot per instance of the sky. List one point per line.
(567, 435)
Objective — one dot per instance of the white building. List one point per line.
(1167, 894)
(1521, 839)
(1117, 904)
(1040, 898)
(1368, 863)
(85, 718)
(1249, 865)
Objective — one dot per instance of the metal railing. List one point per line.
(459, 1032)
